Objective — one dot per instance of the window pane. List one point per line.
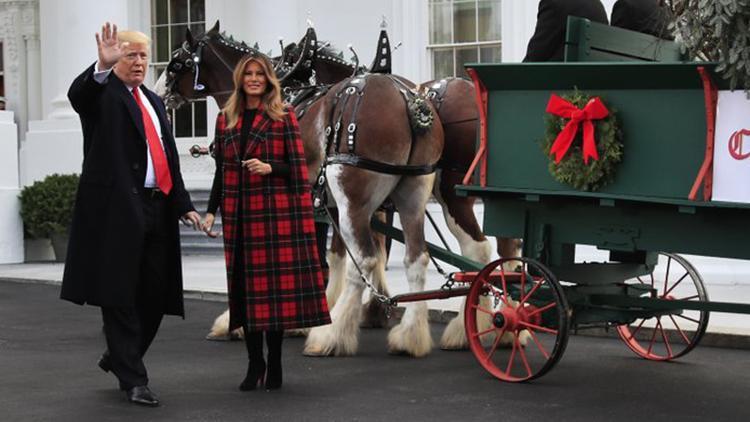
(200, 118)
(440, 22)
(465, 55)
(160, 45)
(159, 12)
(489, 20)
(464, 21)
(183, 122)
(490, 54)
(442, 63)
(178, 36)
(178, 10)
(155, 72)
(197, 10)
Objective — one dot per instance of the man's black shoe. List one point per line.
(143, 396)
(104, 362)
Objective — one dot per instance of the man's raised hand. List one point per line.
(110, 49)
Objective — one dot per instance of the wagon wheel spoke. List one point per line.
(495, 344)
(666, 341)
(522, 353)
(688, 318)
(666, 275)
(690, 297)
(481, 309)
(538, 344)
(542, 309)
(512, 358)
(633, 333)
(679, 330)
(487, 331)
(653, 338)
(504, 297)
(537, 327)
(677, 283)
(531, 292)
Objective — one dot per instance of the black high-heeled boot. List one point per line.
(256, 366)
(274, 373)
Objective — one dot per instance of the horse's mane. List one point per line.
(333, 55)
(229, 41)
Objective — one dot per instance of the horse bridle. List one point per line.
(192, 63)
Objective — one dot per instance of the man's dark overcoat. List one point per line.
(103, 264)
(548, 42)
(645, 16)
(281, 284)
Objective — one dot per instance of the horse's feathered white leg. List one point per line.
(454, 336)
(336, 276)
(220, 329)
(340, 337)
(412, 334)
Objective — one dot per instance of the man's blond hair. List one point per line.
(133, 37)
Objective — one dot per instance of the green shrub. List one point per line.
(716, 30)
(47, 205)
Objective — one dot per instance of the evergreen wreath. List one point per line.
(572, 170)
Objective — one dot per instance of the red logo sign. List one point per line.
(735, 144)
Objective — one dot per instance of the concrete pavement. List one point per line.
(48, 372)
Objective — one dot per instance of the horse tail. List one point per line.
(421, 115)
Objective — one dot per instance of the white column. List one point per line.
(67, 39)
(11, 227)
(67, 28)
(410, 27)
(33, 77)
(518, 23)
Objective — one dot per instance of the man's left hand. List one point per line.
(193, 219)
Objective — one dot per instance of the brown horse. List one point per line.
(364, 101)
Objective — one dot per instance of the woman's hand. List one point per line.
(255, 166)
(208, 224)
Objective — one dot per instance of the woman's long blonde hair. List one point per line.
(271, 100)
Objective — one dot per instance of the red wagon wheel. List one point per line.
(516, 321)
(671, 335)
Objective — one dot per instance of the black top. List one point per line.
(281, 169)
(548, 42)
(643, 16)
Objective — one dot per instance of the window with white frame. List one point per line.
(463, 31)
(169, 21)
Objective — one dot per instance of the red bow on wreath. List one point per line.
(594, 110)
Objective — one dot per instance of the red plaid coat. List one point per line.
(282, 283)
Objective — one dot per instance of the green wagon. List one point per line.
(519, 312)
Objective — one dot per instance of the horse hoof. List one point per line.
(374, 316)
(315, 351)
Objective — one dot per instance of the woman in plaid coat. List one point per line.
(273, 272)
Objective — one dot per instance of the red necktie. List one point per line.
(161, 168)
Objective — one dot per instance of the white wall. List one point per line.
(11, 227)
